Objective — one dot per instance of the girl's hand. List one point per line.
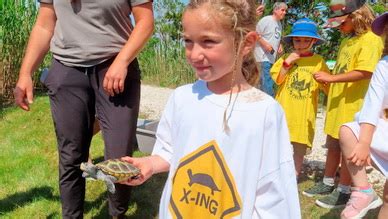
(23, 92)
(323, 77)
(146, 170)
(360, 155)
(114, 79)
(292, 58)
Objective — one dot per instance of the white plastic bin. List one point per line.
(145, 134)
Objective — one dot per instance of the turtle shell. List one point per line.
(120, 169)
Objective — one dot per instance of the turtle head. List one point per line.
(89, 170)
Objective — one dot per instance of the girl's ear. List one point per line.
(249, 43)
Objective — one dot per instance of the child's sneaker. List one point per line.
(336, 199)
(359, 204)
(319, 188)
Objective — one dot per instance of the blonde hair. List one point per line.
(362, 19)
(238, 16)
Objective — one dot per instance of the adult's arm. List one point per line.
(37, 47)
(144, 26)
(260, 29)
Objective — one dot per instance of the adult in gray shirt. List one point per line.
(268, 44)
(94, 72)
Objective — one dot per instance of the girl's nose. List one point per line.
(196, 54)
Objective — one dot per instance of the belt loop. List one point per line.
(86, 71)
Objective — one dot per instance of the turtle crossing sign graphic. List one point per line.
(203, 186)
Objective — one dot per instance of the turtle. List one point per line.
(110, 171)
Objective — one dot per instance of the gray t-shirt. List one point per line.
(88, 32)
(271, 31)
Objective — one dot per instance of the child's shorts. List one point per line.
(379, 145)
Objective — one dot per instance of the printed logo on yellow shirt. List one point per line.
(203, 186)
(299, 85)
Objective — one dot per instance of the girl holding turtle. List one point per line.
(224, 142)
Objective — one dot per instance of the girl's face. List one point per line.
(303, 44)
(209, 46)
(347, 26)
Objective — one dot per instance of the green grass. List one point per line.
(311, 211)
(29, 173)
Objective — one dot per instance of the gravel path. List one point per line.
(153, 101)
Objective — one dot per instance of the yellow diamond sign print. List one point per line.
(203, 186)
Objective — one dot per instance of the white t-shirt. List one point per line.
(248, 173)
(271, 31)
(372, 112)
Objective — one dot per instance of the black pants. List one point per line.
(76, 96)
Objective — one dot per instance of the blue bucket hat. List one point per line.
(304, 28)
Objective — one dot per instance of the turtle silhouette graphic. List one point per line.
(202, 179)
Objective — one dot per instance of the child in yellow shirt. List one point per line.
(298, 91)
(357, 57)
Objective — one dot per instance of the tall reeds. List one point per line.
(16, 20)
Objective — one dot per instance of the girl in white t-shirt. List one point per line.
(224, 142)
(367, 138)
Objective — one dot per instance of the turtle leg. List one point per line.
(109, 181)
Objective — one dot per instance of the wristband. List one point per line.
(286, 65)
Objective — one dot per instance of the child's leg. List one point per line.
(333, 156)
(326, 186)
(299, 152)
(363, 197)
(384, 209)
(358, 174)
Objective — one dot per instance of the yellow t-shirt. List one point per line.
(345, 99)
(298, 95)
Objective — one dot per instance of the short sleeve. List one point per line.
(46, 1)
(374, 98)
(369, 54)
(139, 2)
(325, 68)
(262, 25)
(275, 70)
(163, 144)
(277, 186)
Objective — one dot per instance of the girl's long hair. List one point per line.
(362, 19)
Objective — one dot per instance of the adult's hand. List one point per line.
(260, 10)
(114, 79)
(280, 49)
(23, 92)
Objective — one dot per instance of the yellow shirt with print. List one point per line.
(345, 99)
(298, 95)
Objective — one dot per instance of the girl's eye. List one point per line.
(209, 41)
(187, 41)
